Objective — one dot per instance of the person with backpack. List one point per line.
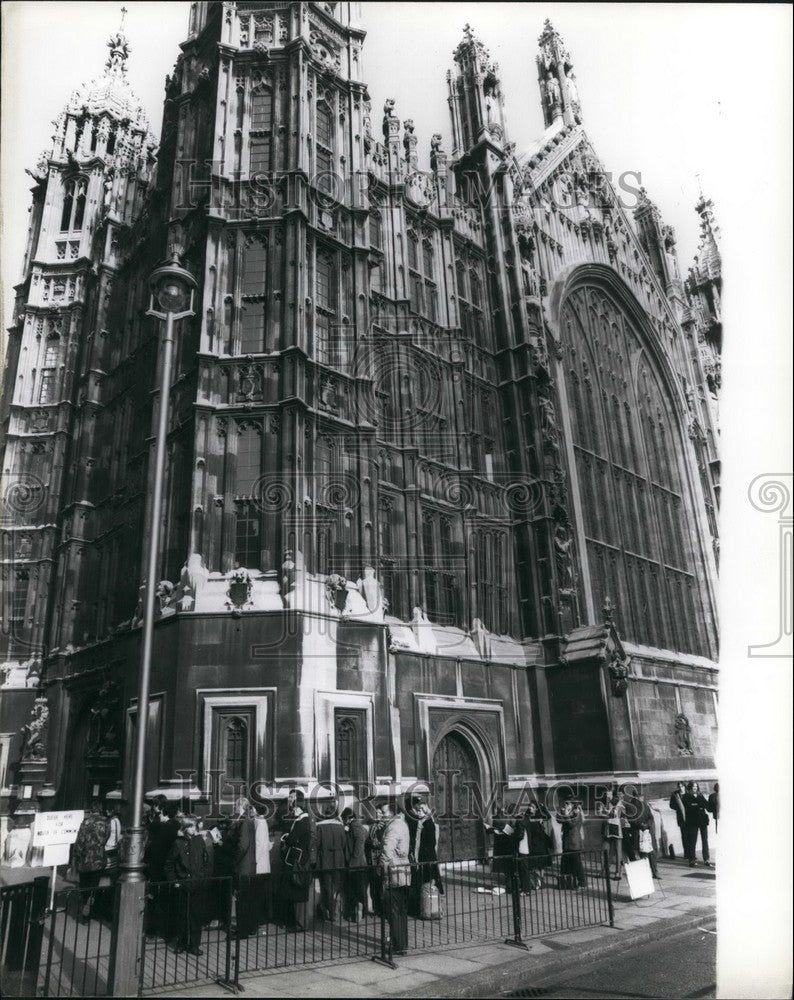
(88, 853)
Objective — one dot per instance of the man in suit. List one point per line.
(242, 843)
(677, 805)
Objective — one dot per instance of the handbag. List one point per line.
(646, 842)
(431, 904)
(293, 857)
(399, 876)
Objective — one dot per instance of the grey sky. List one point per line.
(653, 81)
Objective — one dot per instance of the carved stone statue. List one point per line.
(423, 631)
(552, 91)
(408, 126)
(287, 574)
(196, 573)
(562, 554)
(336, 591)
(103, 733)
(163, 595)
(35, 732)
(573, 94)
(480, 638)
(683, 735)
(435, 143)
(372, 590)
(548, 418)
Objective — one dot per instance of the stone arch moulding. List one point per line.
(480, 722)
(574, 275)
(578, 275)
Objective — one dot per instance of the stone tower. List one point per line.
(433, 504)
(89, 190)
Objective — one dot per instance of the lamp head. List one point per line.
(172, 288)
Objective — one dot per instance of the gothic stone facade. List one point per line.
(442, 476)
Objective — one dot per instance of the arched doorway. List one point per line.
(455, 769)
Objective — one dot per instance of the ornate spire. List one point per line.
(119, 50)
(472, 51)
(708, 260)
(558, 89)
(475, 95)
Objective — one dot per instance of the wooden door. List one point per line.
(455, 765)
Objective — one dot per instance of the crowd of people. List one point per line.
(387, 866)
(524, 847)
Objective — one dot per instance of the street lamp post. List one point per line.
(172, 289)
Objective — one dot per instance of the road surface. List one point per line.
(679, 966)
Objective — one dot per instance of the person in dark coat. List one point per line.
(162, 830)
(331, 845)
(504, 846)
(188, 866)
(355, 892)
(572, 874)
(714, 805)
(533, 848)
(644, 826)
(295, 878)
(423, 833)
(677, 805)
(242, 851)
(697, 821)
(372, 848)
(88, 854)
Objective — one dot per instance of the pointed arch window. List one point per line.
(248, 516)
(68, 202)
(51, 351)
(413, 252)
(375, 230)
(73, 212)
(261, 132)
(431, 568)
(428, 258)
(349, 733)
(232, 746)
(637, 510)
(254, 283)
(235, 749)
(324, 148)
(329, 345)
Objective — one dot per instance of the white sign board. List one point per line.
(54, 855)
(638, 876)
(56, 827)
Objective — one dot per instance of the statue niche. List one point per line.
(104, 727)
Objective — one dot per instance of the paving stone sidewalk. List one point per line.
(684, 898)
